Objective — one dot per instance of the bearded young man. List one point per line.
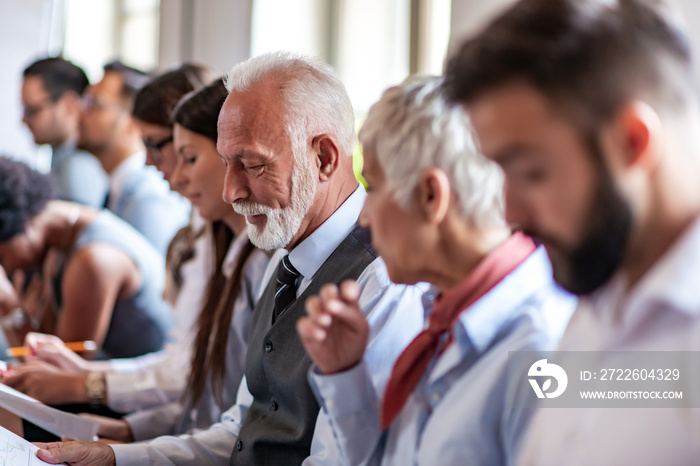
(588, 105)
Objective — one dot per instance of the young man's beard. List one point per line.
(588, 266)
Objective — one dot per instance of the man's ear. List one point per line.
(636, 134)
(327, 154)
(433, 195)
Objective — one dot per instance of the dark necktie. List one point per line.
(286, 287)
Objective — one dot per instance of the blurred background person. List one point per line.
(137, 193)
(52, 90)
(129, 384)
(105, 283)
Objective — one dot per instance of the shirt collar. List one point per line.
(64, 150)
(483, 321)
(122, 172)
(311, 253)
(671, 282)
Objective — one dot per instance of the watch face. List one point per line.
(95, 386)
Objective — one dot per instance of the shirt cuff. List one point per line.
(152, 423)
(129, 454)
(347, 392)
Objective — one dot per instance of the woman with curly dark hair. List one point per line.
(106, 278)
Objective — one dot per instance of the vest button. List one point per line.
(268, 346)
(274, 405)
(239, 445)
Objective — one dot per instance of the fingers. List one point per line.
(16, 381)
(350, 291)
(76, 453)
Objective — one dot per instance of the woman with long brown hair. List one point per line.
(218, 356)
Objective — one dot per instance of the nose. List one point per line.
(235, 186)
(149, 159)
(178, 178)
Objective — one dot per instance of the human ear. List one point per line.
(433, 195)
(638, 134)
(327, 155)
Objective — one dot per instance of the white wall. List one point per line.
(212, 32)
(24, 36)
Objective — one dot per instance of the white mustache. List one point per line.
(250, 209)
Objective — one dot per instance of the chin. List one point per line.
(398, 276)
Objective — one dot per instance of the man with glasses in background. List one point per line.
(51, 93)
(137, 193)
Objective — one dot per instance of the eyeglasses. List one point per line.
(30, 110)
(155, 148)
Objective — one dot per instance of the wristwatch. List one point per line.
(96, 388)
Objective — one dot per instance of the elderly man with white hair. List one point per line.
(435, 208)
(285, 135)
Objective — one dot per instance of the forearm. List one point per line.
(212, 447)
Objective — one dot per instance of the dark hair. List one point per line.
(155, 101)
(587, 56)
(58, 76)
(198, 111)
(23, 194)
(214, 322)
(132, 80)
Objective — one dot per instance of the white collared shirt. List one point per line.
(310, 255)
(661, 313)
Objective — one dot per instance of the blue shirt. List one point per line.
(140, 196)
(78, 176)
(460, 412)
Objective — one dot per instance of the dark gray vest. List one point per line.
(280, 423)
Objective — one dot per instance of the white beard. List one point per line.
(282, 224)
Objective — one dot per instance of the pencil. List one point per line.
(77, 346)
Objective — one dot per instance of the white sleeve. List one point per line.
(211, 447)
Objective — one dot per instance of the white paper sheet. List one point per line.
(15, 451)
(57, 422)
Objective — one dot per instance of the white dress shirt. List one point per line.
(390, 332)
(661, 313)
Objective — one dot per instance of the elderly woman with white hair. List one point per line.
(435, 208)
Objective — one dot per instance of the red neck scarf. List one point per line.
(414, 360)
